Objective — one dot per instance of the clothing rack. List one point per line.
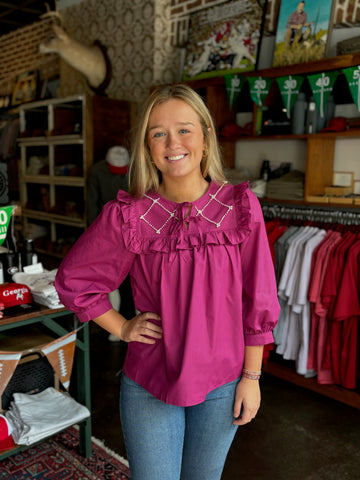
(324, 216)
(344, 216)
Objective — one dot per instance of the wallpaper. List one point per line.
(136, 34)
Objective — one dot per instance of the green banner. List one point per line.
(289, 88)
(352, 75)
(234, 84)
(5, 215)
(321, 85)
(259, 88)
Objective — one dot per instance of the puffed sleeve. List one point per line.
(95, 266)
(260, 302)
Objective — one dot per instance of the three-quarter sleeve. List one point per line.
(95, 266)
(260, 302)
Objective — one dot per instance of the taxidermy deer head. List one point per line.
(91, 61)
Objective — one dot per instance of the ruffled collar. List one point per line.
(154, 223)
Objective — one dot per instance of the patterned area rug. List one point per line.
(58, 458)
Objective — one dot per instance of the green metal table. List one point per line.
(57, 321)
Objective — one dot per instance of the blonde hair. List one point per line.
(144, 175)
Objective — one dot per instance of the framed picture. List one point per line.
(25, 88)
(302, 31)
(224, 39)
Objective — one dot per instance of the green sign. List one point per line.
(234, 84)
(259, 88)
(352, 75)
(289, 88)
(321, 85)
(5, 215)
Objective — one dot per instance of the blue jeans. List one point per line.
(166, 442)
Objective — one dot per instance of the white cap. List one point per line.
(118, 156)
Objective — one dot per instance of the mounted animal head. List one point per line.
(91, 61)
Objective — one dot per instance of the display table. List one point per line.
(61, 322)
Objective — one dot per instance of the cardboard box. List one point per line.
(317, 198)
(344, 200)
(335, 191)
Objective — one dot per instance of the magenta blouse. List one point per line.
(205, 267)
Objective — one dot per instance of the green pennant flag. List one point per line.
(5, 215)
(352, 75)
(321, 85)
(234, 84)
(289, 88)
(259, 88)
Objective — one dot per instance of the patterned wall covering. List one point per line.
(136, 34)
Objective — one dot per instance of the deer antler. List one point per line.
(53, 14)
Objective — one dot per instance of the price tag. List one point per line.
(259, 89)
(234, 84)
(352, 75)
(289, 88)
(321, 85)
(5, 215)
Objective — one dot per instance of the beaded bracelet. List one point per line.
(251, 375)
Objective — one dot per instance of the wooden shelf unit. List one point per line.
(66, 136)
(320, 147)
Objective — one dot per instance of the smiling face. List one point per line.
(176, 140)
(300, 7)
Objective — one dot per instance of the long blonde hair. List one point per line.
(144, 175)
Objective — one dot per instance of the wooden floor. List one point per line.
(297, 435)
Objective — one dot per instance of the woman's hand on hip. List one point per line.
(142, 328)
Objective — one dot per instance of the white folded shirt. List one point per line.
(41, 286)
(35, 417)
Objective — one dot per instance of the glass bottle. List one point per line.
(28, 256)
(265, 170)
(299, 114)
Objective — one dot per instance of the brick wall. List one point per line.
(19, 53)
(347, 12)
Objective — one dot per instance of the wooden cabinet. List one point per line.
(59, 141)
(320, 147)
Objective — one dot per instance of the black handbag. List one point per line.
(33, 374)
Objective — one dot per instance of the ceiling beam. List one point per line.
(11, 8)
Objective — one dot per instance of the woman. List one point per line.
(203, 280)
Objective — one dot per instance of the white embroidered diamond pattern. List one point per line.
(214, 199)
(156, 201)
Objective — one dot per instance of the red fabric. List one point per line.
(319, 330)
(347, 312)
(13, 294)
(6, 440)
(118, 170)
(329, 296)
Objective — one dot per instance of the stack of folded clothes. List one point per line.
(41, 286)
(34, 417)
(288, 187)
